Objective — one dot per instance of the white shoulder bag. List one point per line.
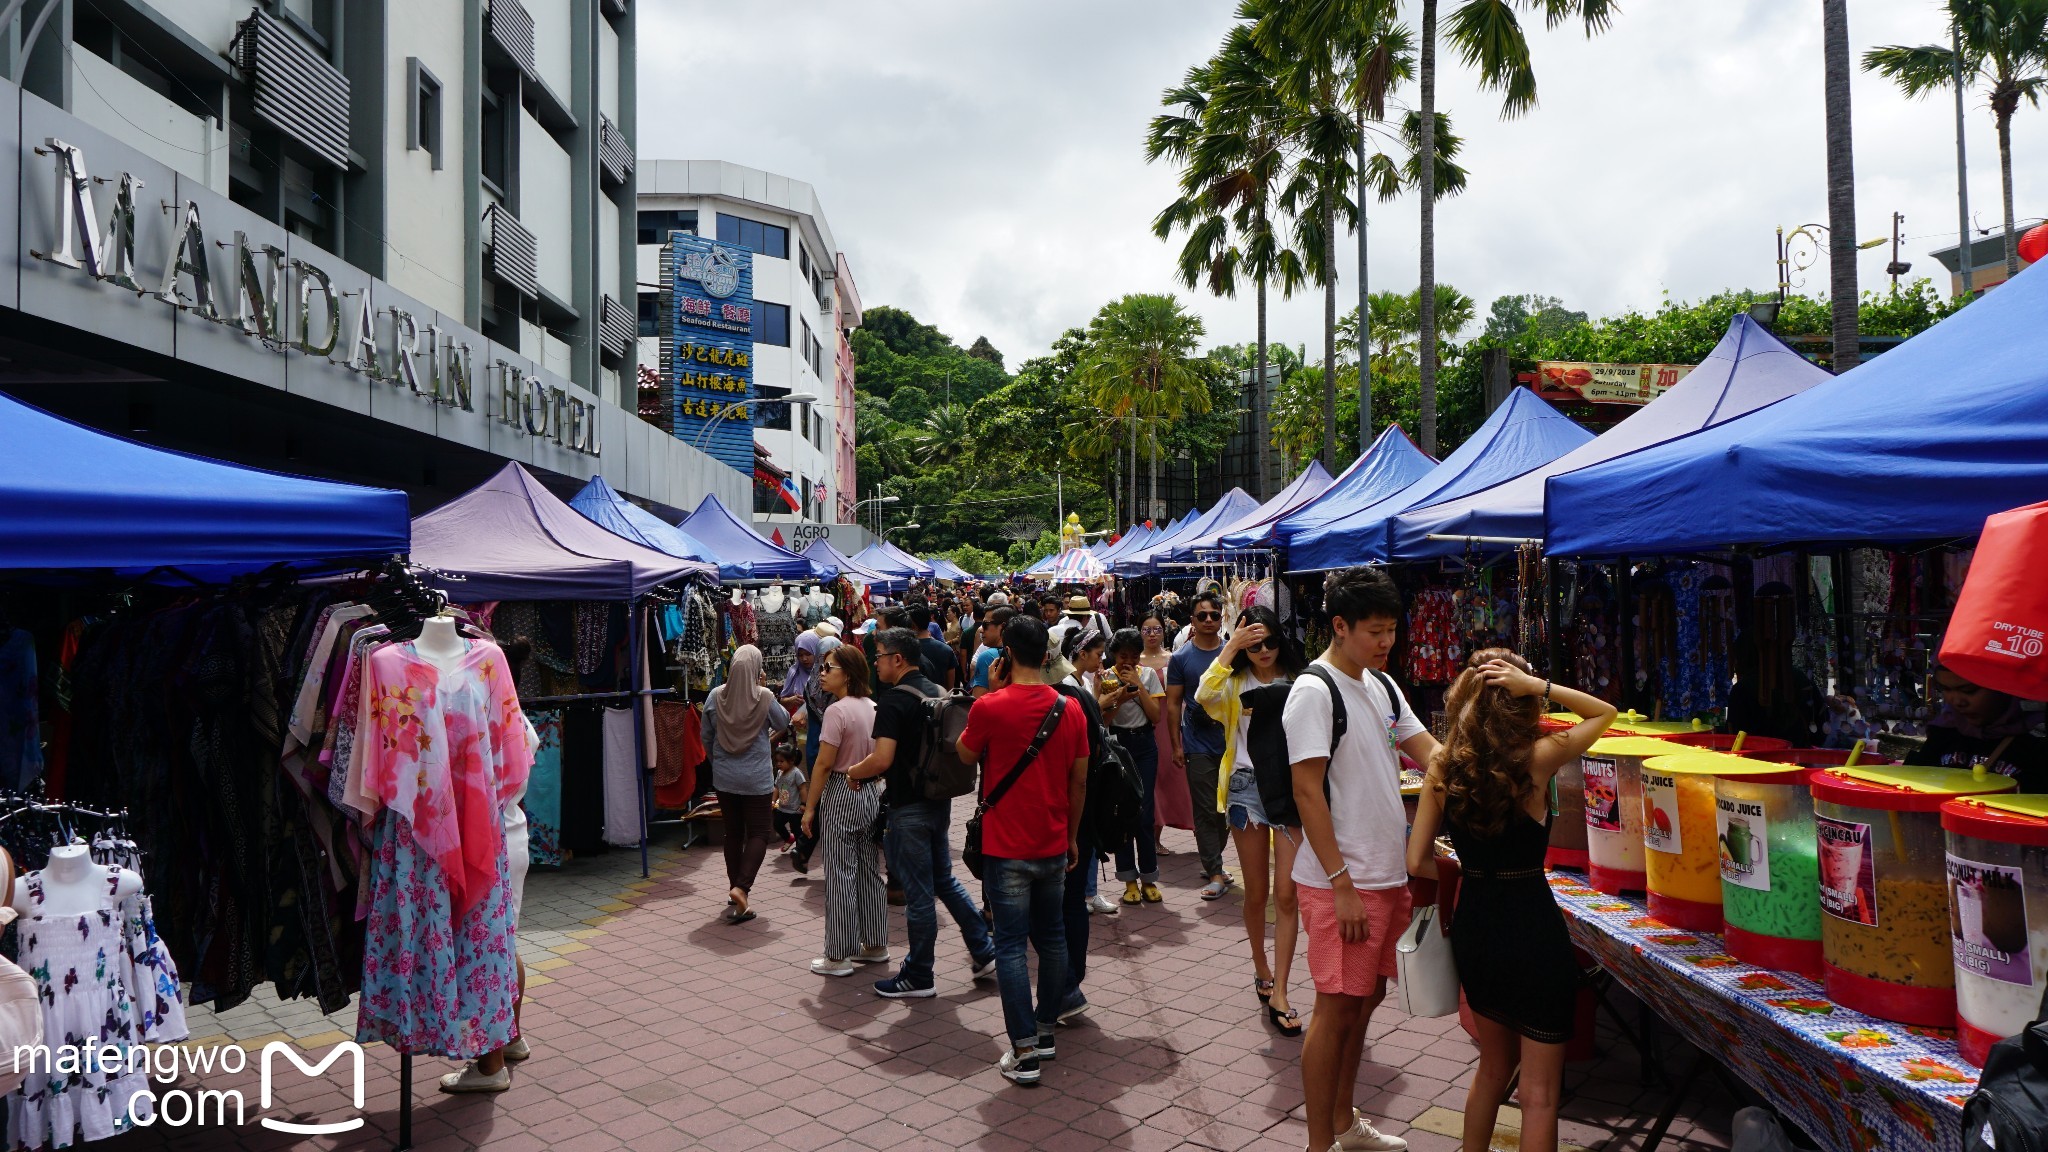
(1427, 983)
(21, 1006)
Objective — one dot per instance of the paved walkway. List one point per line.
(655, 1026)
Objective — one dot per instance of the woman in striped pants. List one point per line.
(856, 902)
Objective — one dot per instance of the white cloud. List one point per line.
(982, 164)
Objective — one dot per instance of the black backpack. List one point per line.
(940, 774)
(2009, 1110)
(1116, 793)
(1266, 740)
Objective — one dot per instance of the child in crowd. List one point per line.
(789, 793)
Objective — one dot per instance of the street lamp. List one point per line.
(705, 432)
(900, 528)
(873, 500)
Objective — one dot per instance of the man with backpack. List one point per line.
(1032, 742)
(1353, 879)
(917, 824)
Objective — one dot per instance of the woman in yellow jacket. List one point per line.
(1250, 673)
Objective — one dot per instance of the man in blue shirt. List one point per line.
(985, 656)
(1198, 740)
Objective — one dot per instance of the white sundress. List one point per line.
(82, 969)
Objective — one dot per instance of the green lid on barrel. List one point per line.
(1632, 746)
(1706, 762)
(1904, 787)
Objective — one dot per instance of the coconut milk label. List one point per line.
(1988, 921)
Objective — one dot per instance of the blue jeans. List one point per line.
(1080, 886)
(921, 863)
(1026, 896)
(813, 728)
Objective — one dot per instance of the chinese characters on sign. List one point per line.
(708, 347)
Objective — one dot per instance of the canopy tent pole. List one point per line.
(636, 630)
(1513, 541)
(1553, 622)
(1625, 592)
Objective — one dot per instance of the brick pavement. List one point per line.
(655, 1026)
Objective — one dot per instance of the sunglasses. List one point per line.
(1270, 643)
(1208, 615)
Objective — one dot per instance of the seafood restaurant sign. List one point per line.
(1606, 383)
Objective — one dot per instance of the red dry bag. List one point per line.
(1998, 636)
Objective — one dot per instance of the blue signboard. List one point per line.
(708, 347)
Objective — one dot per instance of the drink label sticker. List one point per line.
(1660, 813)
(1745, 852)
(1603, 793)
(1988, 921)
(1848, 876)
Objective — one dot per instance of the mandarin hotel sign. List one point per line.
(283, 303)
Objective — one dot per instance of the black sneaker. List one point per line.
(983, 969)
(1073, 1007)
(902, 988)
(1017, 1070)
(1045, 1042)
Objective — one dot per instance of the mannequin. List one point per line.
(735, 595)
(73, 884)
(773, 599)
(439, 644)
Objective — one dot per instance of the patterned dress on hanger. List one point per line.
(79, 964)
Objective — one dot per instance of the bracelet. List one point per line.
(1546, 689)
(1338, 872)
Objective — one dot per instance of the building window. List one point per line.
(805, 327)
(804, 413)
(423, 118)
(650, 314)
(771, 323)
(495, 139)
(656, 225)
(764, 239)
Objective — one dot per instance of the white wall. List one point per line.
(129, 111)
(608, 70)
(544, 183)
(424, 226)
(551, 27)
(211, 22)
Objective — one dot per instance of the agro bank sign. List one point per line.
(707, 347)
(269, 292)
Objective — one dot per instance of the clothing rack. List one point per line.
(586, 697)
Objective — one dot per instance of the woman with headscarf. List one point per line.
(801, 689)
(741, 716)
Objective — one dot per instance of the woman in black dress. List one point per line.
(1488, 788)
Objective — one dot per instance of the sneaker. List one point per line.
(1132, 893)
(1019, 1069)
(826, 966)
(1100, 905)
(873, 956)
(1363, 1137)
(517, 1051)
(1073, 1007)
(900, 988)
(1153, 895)
(984, 969)
(1045, 1043)
(471, 1080)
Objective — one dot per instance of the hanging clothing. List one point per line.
(544, 791)
(21, 749)
(777, 640)
(621, 780)
(86, 1002)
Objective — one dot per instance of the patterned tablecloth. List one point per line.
(1852, 1082)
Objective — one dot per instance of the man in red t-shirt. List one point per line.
(1030, 835)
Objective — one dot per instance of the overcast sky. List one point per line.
(981, 161)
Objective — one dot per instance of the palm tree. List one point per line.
(944, 437)
(1226, 129)
(2000, 42)
(1141, 365)
(1842, 292)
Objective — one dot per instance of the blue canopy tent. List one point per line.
(1137, 537)
(600, 504)
(1524, 432)
(1312, 482)
(1043, 566)
(72, 497)
(748, 554)
(944, 569)
(888, 559)
(1234, 505)
(822, 553)
(1749, 369)
(1391, 464)
(1920, 444)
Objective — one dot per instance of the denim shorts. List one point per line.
(1245, 808)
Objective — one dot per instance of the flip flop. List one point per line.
(1215, 889)
(734, 914)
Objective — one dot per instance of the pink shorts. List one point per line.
(1342, 968)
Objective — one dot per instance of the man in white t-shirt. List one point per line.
(1353, 880)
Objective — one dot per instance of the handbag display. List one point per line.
(970, 849)
(1427, 973)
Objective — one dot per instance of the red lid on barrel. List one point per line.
(1902, 788)
(1989, 818)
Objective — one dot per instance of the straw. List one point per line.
(1737, 746)
(1855, 754)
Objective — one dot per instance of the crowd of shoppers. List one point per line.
(1225, 726)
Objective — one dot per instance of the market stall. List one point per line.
(743, 554)
(1749, 369)
(600, 504)
(1875, 455)
(1392, 463)
(1146, 561)
(1524, 433)
(1298, 491)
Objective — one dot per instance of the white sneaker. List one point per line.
(1363, 1137)
(873, 956)
(1101, 905)
(826, 966)
(517, 1051)
(1021, 1070)
(471, 1080)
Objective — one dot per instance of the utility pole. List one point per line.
(1896, 268)
(1059, 488)
(1955, 32)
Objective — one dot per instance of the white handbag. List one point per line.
(1427, 984)
(21, 1006)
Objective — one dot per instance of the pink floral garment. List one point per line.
(448, 757)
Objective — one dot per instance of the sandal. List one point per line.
(1264, 988)
(1216, 889)
(1285, 1019)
